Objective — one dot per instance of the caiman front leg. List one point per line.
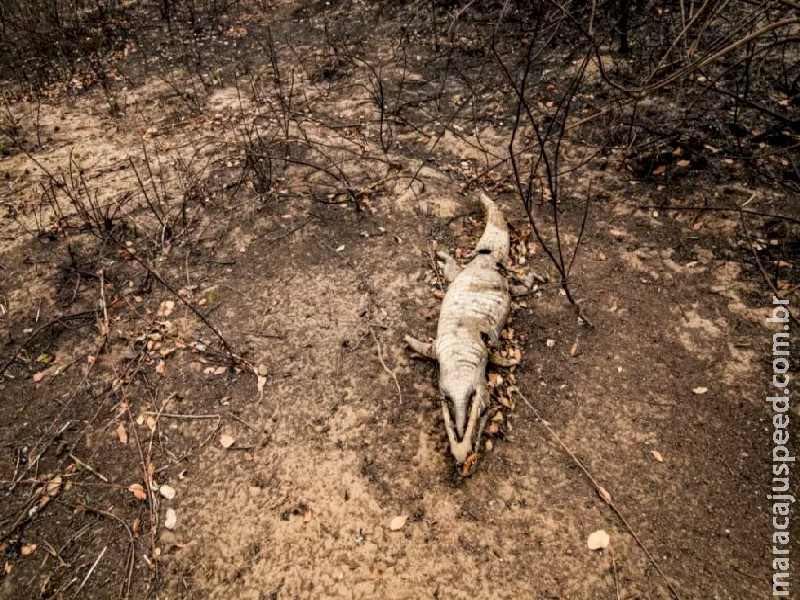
(423, 348)
(451, 268)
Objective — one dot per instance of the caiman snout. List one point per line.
(464, 427)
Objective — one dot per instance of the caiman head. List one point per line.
(464, 409)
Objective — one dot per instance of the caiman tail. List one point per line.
(495, 237)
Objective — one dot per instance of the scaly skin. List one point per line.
(473, 313)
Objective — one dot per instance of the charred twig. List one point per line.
(385, 368)
(735, 209)
(764, 274)
(38, 331)
(91, 570)
(233, 357)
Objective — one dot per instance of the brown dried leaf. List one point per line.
(122, 434)
(27, 549)
(398, 523)
(657, 455)
(138, 491)
(170, 519)
(54, 486)
(262, 381)
(225, 440)
(598, 540)
(603, 493)
(660, 170)
(166, 308)
(160, 367)
(466, 468)
(683, 163)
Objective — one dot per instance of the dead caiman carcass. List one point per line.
(471, 319)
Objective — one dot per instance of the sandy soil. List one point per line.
(660, 399)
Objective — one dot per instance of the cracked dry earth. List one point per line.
(300, 505)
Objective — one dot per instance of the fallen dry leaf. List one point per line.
(138, 491)
(660, 170)
(308, 516)
(657, 455)
(398, 523)
(225, 440)
(700, 390)
(160, 367)
(170, 519)
(27, 549)
(603, 493)
(122, 434)
(574, 350)
(167, 491)
(54, 486)
(683, 163)
(51, 491)
(471, 459)
(165, 309)
(598, 540)
(37, 377)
